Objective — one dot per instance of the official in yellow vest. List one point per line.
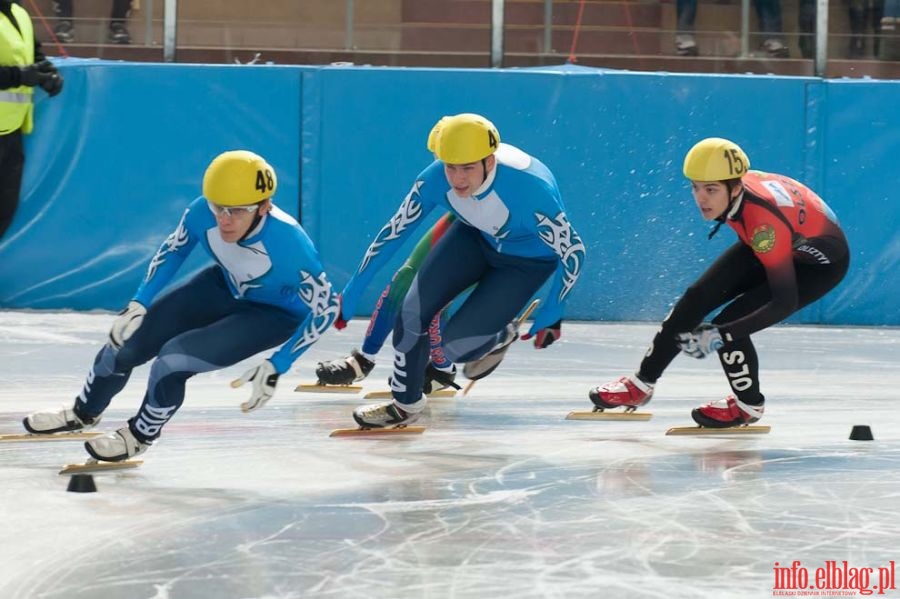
(22, 68)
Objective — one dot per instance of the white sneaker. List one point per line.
(686, 45)
(61, 420)
(380, 415)
(116, 446)
(775, 48)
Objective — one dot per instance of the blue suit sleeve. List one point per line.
(409, 216)
(167, 260)
(559, 235)
(318, 295)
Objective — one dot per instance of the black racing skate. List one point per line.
(345, 371)
(436, 379)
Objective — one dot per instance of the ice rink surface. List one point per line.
(500, 497)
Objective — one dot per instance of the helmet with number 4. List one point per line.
(715, 159)
(465, 138)
(239, 178)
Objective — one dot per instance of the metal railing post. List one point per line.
(348, 26)
(148, 23)
(821, 60)
(548, 26)
(745, 28)
(170, 26)
(497, 33)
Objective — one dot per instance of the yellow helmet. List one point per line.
(715, 159)
(435, 131)
(466, 138)
(239, 178)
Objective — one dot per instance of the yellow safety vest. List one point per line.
(16, 49)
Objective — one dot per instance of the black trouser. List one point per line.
(737, 277)
(12, 161)
(120, 9)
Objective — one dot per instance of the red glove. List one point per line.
(546, 337)
(339, 323)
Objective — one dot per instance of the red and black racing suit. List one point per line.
(791, 252)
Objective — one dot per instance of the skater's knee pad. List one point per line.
(111, 361)
(174, 359)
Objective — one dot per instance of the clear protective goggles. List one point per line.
(231, 211)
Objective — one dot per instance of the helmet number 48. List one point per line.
(736, 164)
(264, 181)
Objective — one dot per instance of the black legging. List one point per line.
(12, 160)
(739, 276)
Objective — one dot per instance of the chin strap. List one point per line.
(719, 222)
(252, 227)
(730, 211)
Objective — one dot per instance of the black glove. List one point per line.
(45, 66)
(33, 76)
(53, 85)
(42, 74)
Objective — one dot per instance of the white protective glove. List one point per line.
(264, 380)
(700, 342)
(126, 324)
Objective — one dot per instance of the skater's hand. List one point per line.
(700, 342)
(264, 378)
(339, 322)
(126, 324)
(545, 337)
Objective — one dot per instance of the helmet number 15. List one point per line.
(264, 181)
(736, 164)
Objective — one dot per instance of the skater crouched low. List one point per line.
(790, 252)
(509, 235)
(228, 312)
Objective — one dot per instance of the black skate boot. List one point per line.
(437, 379)
(347, 371)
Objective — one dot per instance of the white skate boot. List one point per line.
(47, 422)
(480, 368)
(380, 415)
(116, 447)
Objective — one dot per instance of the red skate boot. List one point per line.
(629, 392)
(727, 413)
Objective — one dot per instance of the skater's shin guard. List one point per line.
(741, 366)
